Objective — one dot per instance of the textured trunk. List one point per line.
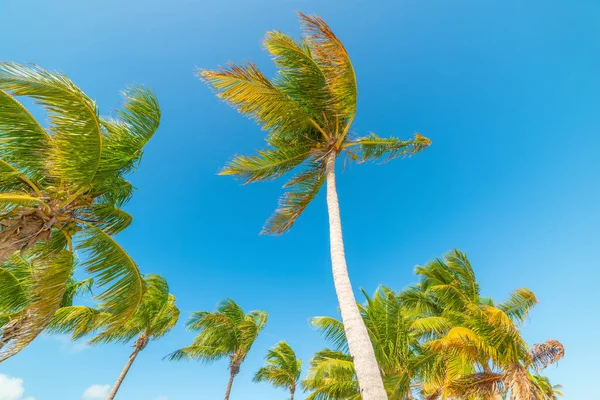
(292, 391)
(232, 375)
(359, 344)
(22, 233)
(140, 344)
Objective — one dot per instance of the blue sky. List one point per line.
(508, 91)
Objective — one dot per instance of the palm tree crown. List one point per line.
(307, 109)
(67, 181)
(226, 333)
(283, 369)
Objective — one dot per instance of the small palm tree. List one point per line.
(308, 110)
(65, 183)
(226, 333)
(155, 317)
(283, 369)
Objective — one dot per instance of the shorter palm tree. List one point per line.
(283, 368)
(226, 333)
(155, 317)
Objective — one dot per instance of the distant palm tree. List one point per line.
(282, 370)
(308, 110)
(65, 183)
(226, 333)
(155, 317)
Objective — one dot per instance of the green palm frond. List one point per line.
(518, 305)
(335, 62)
(375, 148)
(128, 133)
(78, 321)
(267, 164)
(25, 144)
(75, 126)
(299, 75)
(15, 284)
(50, 276)
(332, 330)
(110, 219)
(301, 190)
(254, 95)
(113, 269)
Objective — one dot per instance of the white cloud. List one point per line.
(12, 388)
(96, 392)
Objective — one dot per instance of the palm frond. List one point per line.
(375, 148)
(15, 285)
(332, 330)
(78, 321)
(267, 164)
(107, 217)
(518, 305)
(254, 95)
(25, 144)
(544, 354)
(301, 190)
(331, 54)
(129, 132)
(300, 76)
(114, 268)
(50, 276)
(75, 127)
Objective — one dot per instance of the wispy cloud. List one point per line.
(96, 392)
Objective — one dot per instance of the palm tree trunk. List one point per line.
(229, 385)
(359, 343)
(140, 344)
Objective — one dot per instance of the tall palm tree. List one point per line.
(283, 369)
(308, 110)
(226, 333)
(64, 184)
(155, 317)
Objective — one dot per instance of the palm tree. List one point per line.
(65, 183)
(155, 317)
(308, 110)
(226, 333)
(439, 339)
(283, 369)
(479, 347)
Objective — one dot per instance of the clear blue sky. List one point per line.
(508, 91)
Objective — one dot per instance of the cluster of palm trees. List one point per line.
(62, 192)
